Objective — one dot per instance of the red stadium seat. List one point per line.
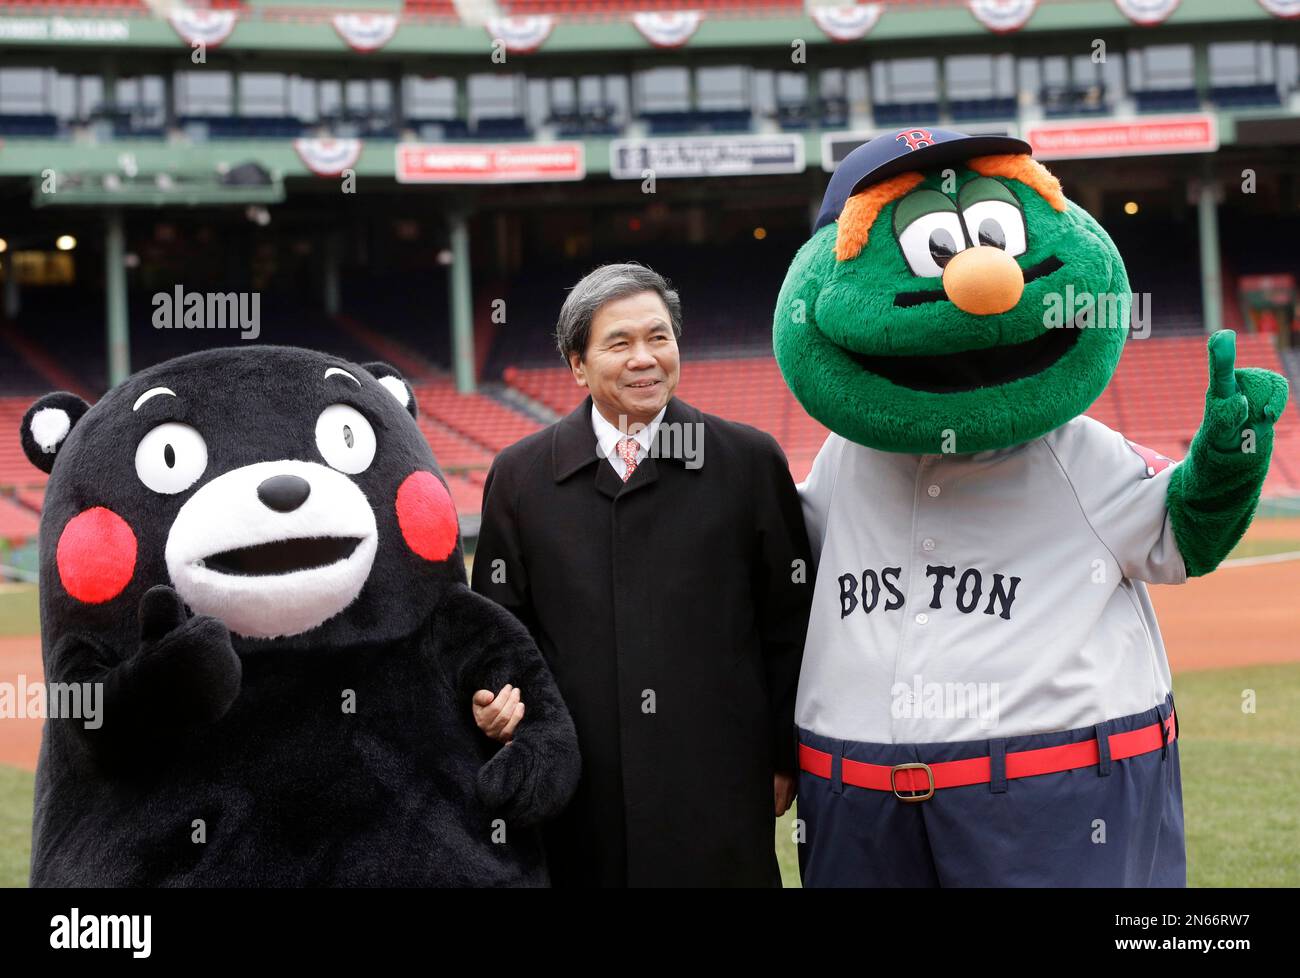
(1156, 398)
(18, 525)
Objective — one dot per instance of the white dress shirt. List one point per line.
(608, 437)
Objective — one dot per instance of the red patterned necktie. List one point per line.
(627, 451)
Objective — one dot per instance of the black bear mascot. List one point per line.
(252, 569)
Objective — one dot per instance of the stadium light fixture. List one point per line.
(1131, 207)
(65, 242)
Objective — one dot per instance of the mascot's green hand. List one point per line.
(1214, 491)
(1240, 401)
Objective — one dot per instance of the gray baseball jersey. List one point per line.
(963, 597)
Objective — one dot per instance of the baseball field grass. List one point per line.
(19, 609)
(15, 825)
(1239, 726)
(1241, 784)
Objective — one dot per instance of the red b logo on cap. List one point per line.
(915, 138)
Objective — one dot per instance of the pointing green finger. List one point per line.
(1223, 360)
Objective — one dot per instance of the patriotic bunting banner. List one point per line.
(670, 29)
(521, 34)
(206, 27)
(1003, 16)
(328, 157)
(846, 23)
(365, 32)
(1147, 12)
(1282, 8)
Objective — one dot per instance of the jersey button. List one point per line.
(922, 618)
(933, 491)
(927, 544)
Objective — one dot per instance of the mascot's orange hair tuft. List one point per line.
(862, 209)
(1022, 167)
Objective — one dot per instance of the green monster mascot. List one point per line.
(985, 698)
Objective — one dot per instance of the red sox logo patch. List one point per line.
(915, 138)
(1154, 461)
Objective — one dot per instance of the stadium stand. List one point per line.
(905, 113)
(394, 282)
(200, 127)
(439, 9)
(731, 321)
(1061, 101)
(830, 112)
(29, 126)
(476, 417)
(17, 375)
(1156, 398)
(1161, 261)
(748, 389)
(966, 110)
(698, 121)
(1167, 100)
(611, 8)
(1245, 96)
(114, 6)
(15, 470)
(18, 525)
(409, 309)
(32, 498)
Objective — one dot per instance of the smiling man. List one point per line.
(669, 596)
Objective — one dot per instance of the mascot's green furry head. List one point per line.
(951, 299)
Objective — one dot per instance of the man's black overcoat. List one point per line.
(672, 610)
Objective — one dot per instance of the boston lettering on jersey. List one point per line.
(864, 591)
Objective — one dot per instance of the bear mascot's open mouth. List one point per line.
(274, 548)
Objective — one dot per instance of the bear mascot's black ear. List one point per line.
(396, 384)
(46, 426)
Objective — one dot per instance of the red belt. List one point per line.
(922, 779)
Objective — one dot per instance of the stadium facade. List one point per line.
(423, 181)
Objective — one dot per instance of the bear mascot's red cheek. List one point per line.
(96, 555)
(427, 517)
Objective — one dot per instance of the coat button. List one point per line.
(922, 618)
(933, 491)
(927, 544)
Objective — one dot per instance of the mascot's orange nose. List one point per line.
(983, 280)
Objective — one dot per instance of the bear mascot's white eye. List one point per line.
(345, 439)
(171, 458)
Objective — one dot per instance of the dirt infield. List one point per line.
(20, 740)
(1238, 616)
(1284, 528)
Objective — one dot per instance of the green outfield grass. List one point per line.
(19, 610)
(1241, 775)
(1241, 772)
(1241, 784)
(1260, 548)
(15, 825)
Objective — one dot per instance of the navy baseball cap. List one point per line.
(901, 150)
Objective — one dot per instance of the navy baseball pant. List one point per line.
(1118, 822)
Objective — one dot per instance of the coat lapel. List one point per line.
(575, 447)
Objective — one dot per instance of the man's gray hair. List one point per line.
(605, 284)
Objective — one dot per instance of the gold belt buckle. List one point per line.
(912, 766)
